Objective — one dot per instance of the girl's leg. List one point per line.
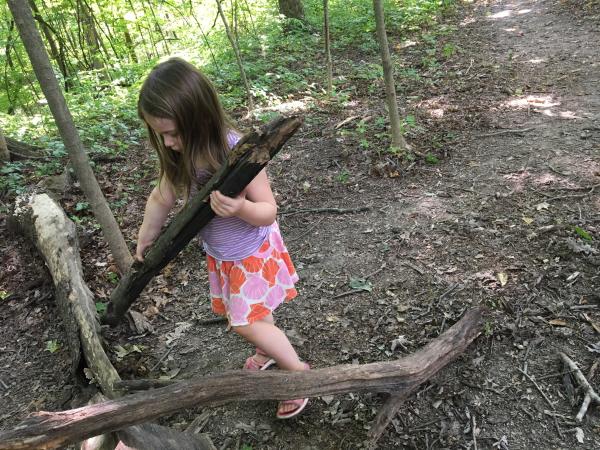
(265, 335)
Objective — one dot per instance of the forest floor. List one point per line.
(508, 218)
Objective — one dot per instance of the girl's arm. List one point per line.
(255, 205)
(159, 203)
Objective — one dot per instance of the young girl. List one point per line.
(250, 271)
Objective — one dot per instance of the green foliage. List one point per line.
(431, 159)
(583, 234)
(52, 346)
(101, 307)
(11, 179)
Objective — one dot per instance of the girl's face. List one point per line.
(167, 130)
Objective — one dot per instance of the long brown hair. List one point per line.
(178, 91)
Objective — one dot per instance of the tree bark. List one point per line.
(398, 141)
(292, 9)
(47, 226)
(238, 57)
(44, 73)
(247, 159)
(49, 430)
(328, 63)
(4, 153)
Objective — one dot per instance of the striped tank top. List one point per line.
(229, 238)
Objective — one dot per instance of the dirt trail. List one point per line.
(503, 221)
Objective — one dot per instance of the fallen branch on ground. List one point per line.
(48, 430)
(590, 393)
(289, 212)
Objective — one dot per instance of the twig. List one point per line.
(344, 294)
(590, 394)
(295, 238)
(415, 268)
(473, 428)
(522, 130)
(372, 274)
(324, 210)
(211, 321)
(537, 386)
(162, 358)
(3, 384)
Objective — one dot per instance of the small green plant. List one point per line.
(101, 307)
(431, 159)
(583, 234)
(52, 346)
(82, 206)
(344, 176)
(246, 447)
(112, 277)
(11, 178)
(488, 328)
(449, 50)
(4, 295)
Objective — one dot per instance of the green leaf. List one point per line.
(52, 346)
(101, 307)
(81, 206)
(361, 284)
(4, 295)
(583, 234)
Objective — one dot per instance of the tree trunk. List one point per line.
(4, 153)
(246, 160)
(57, 55)
(328, 63)
(238, 57)
(49, 430)
(292, 9)
(43, 70)
(398, 141)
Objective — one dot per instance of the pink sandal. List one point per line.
(299, 403)
(252, 364)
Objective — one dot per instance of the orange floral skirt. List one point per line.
(249, 289)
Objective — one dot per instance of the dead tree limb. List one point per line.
(247, 159)
(47, 226)
(21, 150)
(49, 430)
(589, 395)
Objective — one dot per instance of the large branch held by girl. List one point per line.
(250, 155)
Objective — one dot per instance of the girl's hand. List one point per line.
(224, 206)
(139, 251)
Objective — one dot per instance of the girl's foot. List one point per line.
(259, 361)
(291, 408)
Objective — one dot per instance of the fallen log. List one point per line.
(54, 235)
(47, 226)
(21, 150)
(246, 160)
(49, 430)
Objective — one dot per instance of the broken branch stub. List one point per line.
(250, 155)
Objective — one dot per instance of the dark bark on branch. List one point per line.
(247, 159)
(49, 430)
